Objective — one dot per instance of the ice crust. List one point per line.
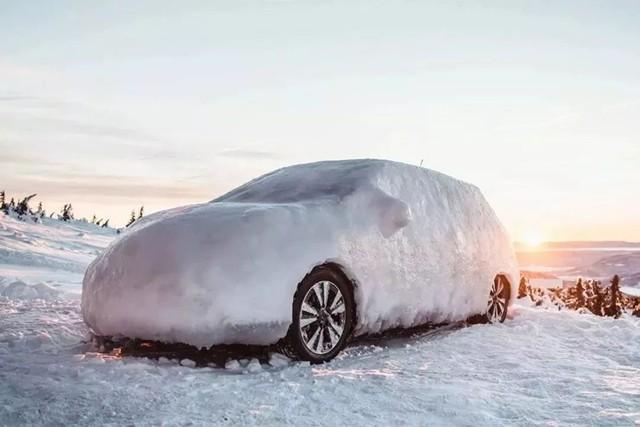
(420, 247)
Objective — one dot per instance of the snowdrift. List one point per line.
(419, 246)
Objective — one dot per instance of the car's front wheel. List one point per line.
(498, 301)
(323, 316)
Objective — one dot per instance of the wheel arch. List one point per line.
(345, 274)
(510, 280)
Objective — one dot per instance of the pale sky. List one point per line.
(111, 105)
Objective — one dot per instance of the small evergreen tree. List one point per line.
(141, 213)
(580, 297)
(93, 219)
(614, 309)
(132, 219)
(3, 203)
(598, 300)
(98, 222)
(12, 205)
(23, 206)
(106, 224)
(67, 212)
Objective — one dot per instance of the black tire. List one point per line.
(296, 343)
(498, 301)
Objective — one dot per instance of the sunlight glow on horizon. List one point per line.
(533, 239)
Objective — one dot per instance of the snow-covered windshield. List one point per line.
(305, 182)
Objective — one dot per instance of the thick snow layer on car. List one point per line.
(420, 246)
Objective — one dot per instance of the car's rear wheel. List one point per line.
(323, 316)
(498, 301)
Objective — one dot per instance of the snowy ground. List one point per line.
(541, 367)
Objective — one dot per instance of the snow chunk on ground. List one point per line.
(21, 290)
(278, 360)
(188, 363)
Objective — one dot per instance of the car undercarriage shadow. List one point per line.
(218, 355)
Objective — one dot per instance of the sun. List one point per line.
(533, 239)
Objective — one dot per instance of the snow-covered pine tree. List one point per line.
(67, 212)
(571, 296)
(580, 296)
(141, 213)
(94, 219)
(106, 223)
(3, 204)
(598, 308)
(613, 309)
(23, 206)
(132, 219)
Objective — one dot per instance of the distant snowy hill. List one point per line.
(50, 253)
(627, 266)
(594, 260)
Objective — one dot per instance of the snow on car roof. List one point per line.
(332, 178)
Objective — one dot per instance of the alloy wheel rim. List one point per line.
(497, 303)
(322, 317)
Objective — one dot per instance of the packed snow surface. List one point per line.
(542, 367)
(421, 247)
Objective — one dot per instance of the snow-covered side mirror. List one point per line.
(391, 214)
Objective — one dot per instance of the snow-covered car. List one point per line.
(307, 256)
